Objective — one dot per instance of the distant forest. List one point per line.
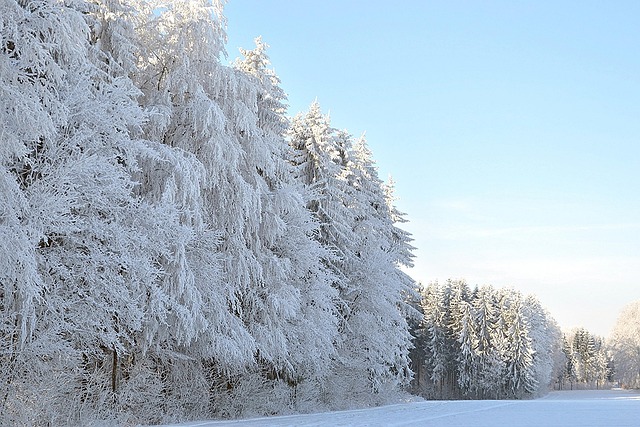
(173, 246)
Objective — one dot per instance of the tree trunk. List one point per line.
(114, 371)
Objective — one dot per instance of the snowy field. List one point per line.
(591, 408)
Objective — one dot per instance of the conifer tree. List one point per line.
(546, 341)
(438, 359)
(466, 359)
(286, 229)
(490, 365)
(520, 379)
(348, 200)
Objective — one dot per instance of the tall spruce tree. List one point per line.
(490, 364)
(546, 341)
(356, 224)
(292, 256)
(519, 352)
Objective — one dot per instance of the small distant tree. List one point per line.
(586, 363)
(625, 345)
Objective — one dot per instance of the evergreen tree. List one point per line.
(546, 342)
(438, 345)
(490, 365)
(467, 360)
(286, 229)
(356, 224)
(485, 343)
(519, 351)
(568, 374)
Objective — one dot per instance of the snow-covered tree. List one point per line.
(489, 341)
(567, 372)
(586, 361)
(625, 344)
(292, 255)
(417, 354)
(91, 240)
(466, 359)
(518, 351)
(357, 226)
(546, 341)
(485, 343)
(166, 252)
(441, 345)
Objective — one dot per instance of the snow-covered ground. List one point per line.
(596, 408)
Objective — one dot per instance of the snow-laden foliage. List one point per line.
(74, 299)
(482, 343)
(585, 363)
(168, 250)
(625, 346)
(366, 249)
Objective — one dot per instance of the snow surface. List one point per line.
(584, 408)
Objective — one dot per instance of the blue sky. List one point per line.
(512, 129)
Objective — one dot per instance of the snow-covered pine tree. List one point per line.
(382, 250)
(356, 223)
(439, 341)
(420, 335)
(546, 340)
(601, 363)
(518, 352)
(567, 374)
(582, 353)
(466, 359)
(292, 254)
(442, 342)
(460, 297)
(490, 365)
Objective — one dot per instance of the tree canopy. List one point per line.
(172, 245)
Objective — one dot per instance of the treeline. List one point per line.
(172, 246)
(586, 361)
(482, 343)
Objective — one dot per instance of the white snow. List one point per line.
(584, 408)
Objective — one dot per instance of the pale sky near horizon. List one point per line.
(511, 128)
